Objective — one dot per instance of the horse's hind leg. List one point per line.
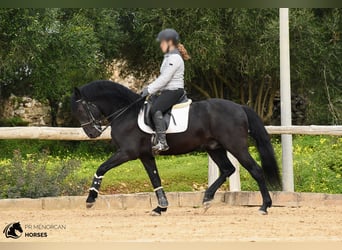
(246, 160)
(219, 156)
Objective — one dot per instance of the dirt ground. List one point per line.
(220, 223)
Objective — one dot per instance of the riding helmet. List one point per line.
(167, 35)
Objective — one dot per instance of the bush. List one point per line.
(55, 148)
(45, 168)
(318, 164)
(12, 122)
(35, 177)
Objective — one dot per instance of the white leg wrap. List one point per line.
(157, 188)
(94, 189)
(99, 177)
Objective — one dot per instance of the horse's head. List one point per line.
(11, 230)
(17, 226)
(87, 114)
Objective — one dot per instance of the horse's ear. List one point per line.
(77, 92)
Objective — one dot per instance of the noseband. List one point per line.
(96, 123)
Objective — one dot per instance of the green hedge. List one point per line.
(49, 168)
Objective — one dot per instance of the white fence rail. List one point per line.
(305, 130)
(76, 134)
(49, 133)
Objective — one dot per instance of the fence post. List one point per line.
(213, 173)
(234, 179)
(285, 99)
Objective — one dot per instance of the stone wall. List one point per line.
(36, 113)
(33, 112)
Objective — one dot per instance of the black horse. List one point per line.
(215, 125)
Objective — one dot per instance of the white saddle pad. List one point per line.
(178, 122)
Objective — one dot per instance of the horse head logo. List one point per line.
(13, 230)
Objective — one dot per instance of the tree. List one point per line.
(235, 53)
(46, 52)
(316, 49)
(70, 58)
(17, 47)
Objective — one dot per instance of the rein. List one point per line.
(96, 122)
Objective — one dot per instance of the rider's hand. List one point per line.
(144, 92)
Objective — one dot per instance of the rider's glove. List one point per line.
(144, 92)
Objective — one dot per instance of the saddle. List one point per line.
(176, 118)
(167, 115)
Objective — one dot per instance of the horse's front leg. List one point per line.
(152, 171)
(115, 160)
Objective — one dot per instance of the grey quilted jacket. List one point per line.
(171, 73)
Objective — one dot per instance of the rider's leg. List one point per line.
(163, 103)
(160, 126)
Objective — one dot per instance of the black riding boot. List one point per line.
(161, 144)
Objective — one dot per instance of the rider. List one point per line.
(169, 86)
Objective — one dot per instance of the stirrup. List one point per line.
(159, 147)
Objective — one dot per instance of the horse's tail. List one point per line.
(263, 143)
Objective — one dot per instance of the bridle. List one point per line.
(97, 123)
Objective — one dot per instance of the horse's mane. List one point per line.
(113, 90)
(110, 94)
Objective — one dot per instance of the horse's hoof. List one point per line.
(158, 211)
(155, 213)
(90, 204)
(262, 212)
(206, 206)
